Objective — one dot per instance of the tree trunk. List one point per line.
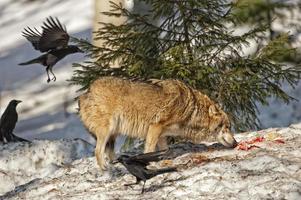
(102, 6)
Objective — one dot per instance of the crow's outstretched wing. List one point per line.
(149, 157)
(33, 36)
(53, 36)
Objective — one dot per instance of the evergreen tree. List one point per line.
(195, 41)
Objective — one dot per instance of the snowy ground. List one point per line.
(271, 170)
(22, 162)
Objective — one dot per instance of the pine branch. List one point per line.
(194, 41)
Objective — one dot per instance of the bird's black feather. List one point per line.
(54, 36)
(53, 40)
(8, 123)
(137, 166)
(32, 36)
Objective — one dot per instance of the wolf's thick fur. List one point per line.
(114, 106)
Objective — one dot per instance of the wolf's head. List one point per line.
(219, 125)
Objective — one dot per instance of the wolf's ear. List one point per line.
(212, 110)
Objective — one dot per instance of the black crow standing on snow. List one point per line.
(137, 166)
(53, 40)
(8, 123)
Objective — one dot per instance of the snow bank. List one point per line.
(23, 162)
(271, 170)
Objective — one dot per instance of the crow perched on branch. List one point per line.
(53, 40)
(137, 166)
(8, 123)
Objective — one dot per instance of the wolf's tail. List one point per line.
(33, 61)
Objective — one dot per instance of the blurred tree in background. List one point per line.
(101, 6)
(281, 16)
(199, 42)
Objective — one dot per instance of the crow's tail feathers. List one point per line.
(164, 170)
(18, 139)
(33, 61)
(11, 138)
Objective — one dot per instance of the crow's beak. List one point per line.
(18, 101)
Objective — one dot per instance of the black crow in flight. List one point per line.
(53, 40)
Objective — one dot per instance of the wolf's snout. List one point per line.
(227, 139)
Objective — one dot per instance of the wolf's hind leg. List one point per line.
(162, 143)
(110, 153)
(102, 136)
(152, 138)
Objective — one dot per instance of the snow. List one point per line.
(64, 169)
(279, 114)
(23, 162)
